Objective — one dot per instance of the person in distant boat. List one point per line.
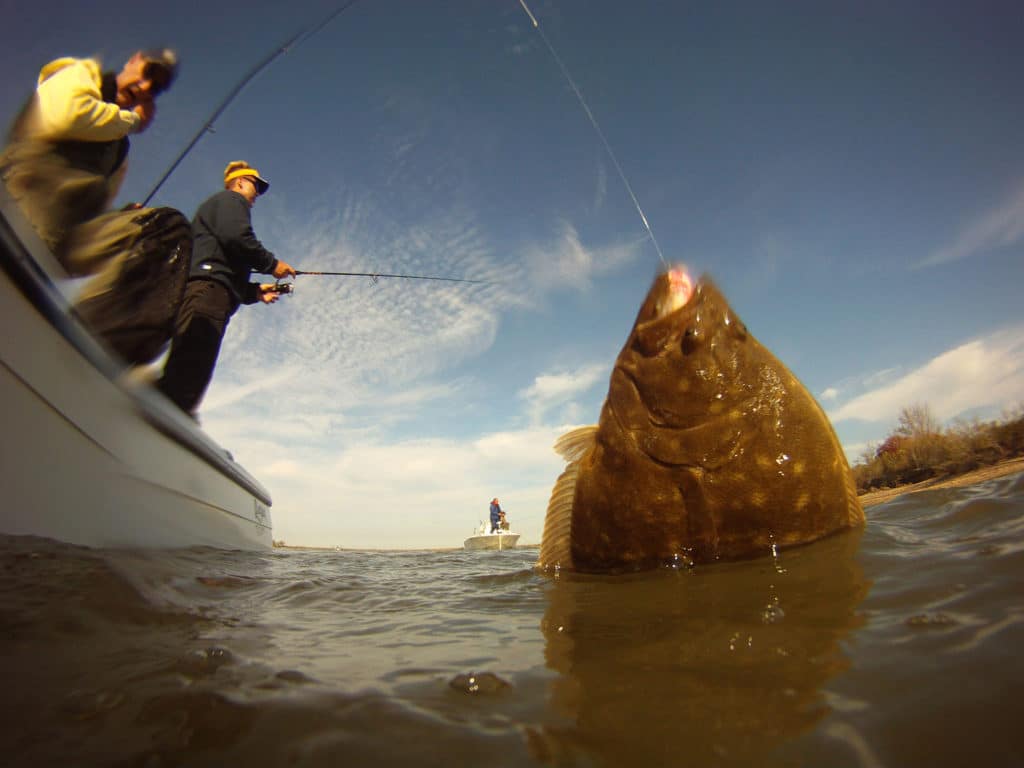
(496, 515)
(225, 254)
(65, 159)
(502, 522)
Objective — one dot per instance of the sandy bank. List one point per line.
(1008, 467)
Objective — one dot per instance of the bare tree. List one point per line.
(916, 421)
(925, 446)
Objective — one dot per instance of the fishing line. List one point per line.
(597, 128)
(295, 41)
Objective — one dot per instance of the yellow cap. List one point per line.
(238, 168)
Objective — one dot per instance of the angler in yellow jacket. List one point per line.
(64, 162)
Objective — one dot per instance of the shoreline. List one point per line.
(1003, 468)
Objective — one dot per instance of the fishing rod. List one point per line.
(374, 276)
(296, 40)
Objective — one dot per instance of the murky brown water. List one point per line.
(897, 646)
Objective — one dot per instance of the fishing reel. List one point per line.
(284, 288)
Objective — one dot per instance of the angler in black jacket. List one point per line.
(225, 253)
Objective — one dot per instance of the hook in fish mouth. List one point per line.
(681, 288)
(673, 297)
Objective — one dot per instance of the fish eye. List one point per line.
(688, 344)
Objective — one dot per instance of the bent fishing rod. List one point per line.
(295, 41)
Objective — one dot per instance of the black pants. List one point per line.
(143, 261)
(202, 321)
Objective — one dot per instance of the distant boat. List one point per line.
(484, 539)
(87, 459)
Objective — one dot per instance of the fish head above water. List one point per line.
(707, 448)
(688, 358)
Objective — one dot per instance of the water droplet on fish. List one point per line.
(772, 614)
(680, 560)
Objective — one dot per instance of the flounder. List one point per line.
(708, 448)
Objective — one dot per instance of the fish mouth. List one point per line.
(679, 289)
(674, 296)
(681, 324)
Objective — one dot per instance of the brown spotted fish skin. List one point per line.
(707, 449)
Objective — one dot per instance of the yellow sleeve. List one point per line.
(71, 106)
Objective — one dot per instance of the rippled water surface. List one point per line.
(899, 645)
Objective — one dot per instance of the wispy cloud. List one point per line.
(999, 227)
(865, 381)
(231, 392)
(877, 379)
(567, 263)
(551, 390)
(983, 373)
(343, 344)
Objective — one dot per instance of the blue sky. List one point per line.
(850, 174)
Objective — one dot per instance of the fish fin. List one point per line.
(853, 505)
(572, 445)
(556, 543)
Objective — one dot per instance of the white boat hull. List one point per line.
(88, 461)
(492, 541)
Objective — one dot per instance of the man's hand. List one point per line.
(268, 293)
(146, 110)
(283, 270)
